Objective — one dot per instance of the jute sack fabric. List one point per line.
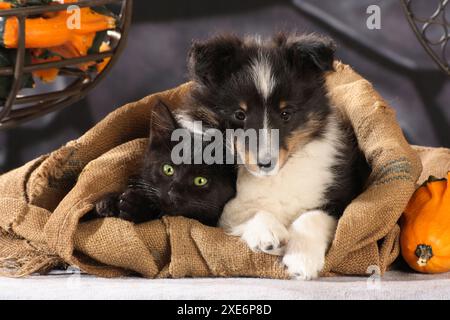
(41, 203)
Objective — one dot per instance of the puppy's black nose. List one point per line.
(264, 165)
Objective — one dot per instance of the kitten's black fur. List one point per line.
(153, 194)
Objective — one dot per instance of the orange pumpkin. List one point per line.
(425, 227)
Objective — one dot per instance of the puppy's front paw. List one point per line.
(310, 236)
(264, 233)
(303, 261)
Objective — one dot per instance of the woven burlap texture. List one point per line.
(41, 203)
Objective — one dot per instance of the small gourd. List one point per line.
(425, 227)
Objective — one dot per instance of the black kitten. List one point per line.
(197, 191)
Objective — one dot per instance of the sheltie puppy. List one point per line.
(287, 203)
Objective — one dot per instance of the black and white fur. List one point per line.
(279, 83)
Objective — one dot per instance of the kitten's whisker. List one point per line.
(205, 204)
(146, 188)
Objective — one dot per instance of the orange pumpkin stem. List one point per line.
(424, 253)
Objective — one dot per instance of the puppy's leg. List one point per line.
(263, 232)
(310, 236)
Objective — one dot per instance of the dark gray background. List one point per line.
(162, 31)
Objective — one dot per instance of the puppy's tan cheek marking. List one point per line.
(250, 161)
(245, 154)
(282, 157)
(243, 105)
(283, 105)
(301, 137)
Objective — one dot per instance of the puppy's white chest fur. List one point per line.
(298, 187)
(277, 214)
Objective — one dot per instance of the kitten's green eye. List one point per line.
(168, 170)
(200, 181)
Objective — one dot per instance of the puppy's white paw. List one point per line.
(310, 236)
(303, 261)
(263, 233)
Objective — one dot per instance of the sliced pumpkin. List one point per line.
(51, 32)
(42, 56)
(5, 5)
(102, 65)
(50, 38)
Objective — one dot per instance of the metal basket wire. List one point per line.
(13, 111)
(439, 49)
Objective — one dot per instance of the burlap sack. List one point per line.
(42, 202)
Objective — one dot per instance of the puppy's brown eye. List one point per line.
(240, 115)
(285, 115)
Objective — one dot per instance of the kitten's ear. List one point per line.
(308, 51)
(214, 61)
(162, 123)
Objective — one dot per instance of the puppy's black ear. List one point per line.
(214, 61)
(162, 124)
(309, 51)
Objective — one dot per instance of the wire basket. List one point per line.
(18, 107)
(432, 31)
